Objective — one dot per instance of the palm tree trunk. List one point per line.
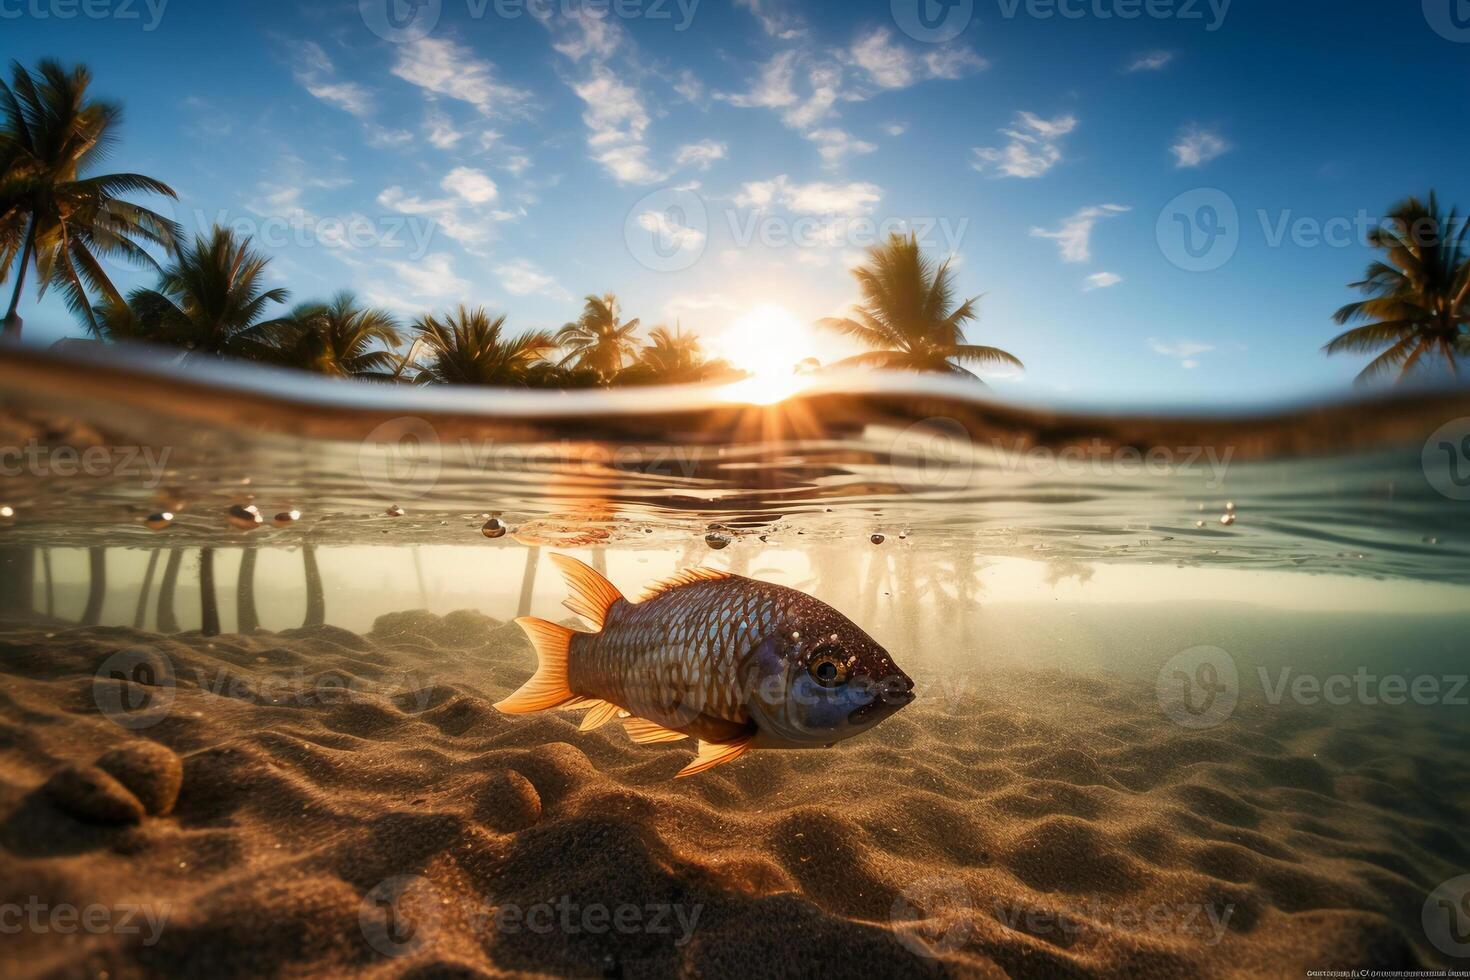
(12, 318)
(50, 582)
(164, 620)
(599, 561)
(208, 602)
(140, 614)
(316, 600)
(96, 586)
(418, 571)
(528, 581)
(246, 619)
(17, 581)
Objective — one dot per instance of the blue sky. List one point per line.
(707, 159)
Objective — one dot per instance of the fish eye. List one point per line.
(827, 666)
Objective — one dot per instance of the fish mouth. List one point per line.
(894, 692)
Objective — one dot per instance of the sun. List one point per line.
(768, 342)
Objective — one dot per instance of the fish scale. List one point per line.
(678, 654)
(713, 655)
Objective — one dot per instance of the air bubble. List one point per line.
(395, 511)
(717, 540)
(493, 529)
(287, 517)
(159, 521)
(1227, 519)
(877, 538)
(245, 517)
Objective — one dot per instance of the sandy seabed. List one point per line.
(355, 805)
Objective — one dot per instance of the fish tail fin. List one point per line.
(548, 687)
(592, 593)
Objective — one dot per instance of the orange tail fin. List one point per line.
(547, 688)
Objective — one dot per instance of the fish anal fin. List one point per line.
(547, 688)
(680, 579)
(644, 732)
(592, 594)
(713, 754)
(600, 714)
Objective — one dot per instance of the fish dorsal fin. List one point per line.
(687, 577)
(713, 754)
(643, 731)
(592, 594)
(600, 714)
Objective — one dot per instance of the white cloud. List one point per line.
(441, 131)
(523, 278)
(891, 65)
(671, 233)
(1033, 149)
(1151, 61)
(895, 128)
(1074, 237)
(836, 145)
(818, 197)
(1102, 280)
(1185, 351)
(442, 67)
(588, 34)
(314, 71)
(689, 87)
(701, 154)
(773, 89)
(472, 185)
(431, 277)
(1198, 146)
(775, 17)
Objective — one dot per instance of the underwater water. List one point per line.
(1191, 691)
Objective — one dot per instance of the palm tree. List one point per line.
(165, 619)
(597, 340)
(51, 135)
(340, 338)
(673, 357)
(906, 315)
(1419, 296)
(468, 347)
(208, 603)
(316, 596)
(211, 300)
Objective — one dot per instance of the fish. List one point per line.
(731, 662)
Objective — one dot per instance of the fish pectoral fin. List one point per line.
(644, 732)
(547, 688)
(592, 594)
(713, 754)
(600, 714)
